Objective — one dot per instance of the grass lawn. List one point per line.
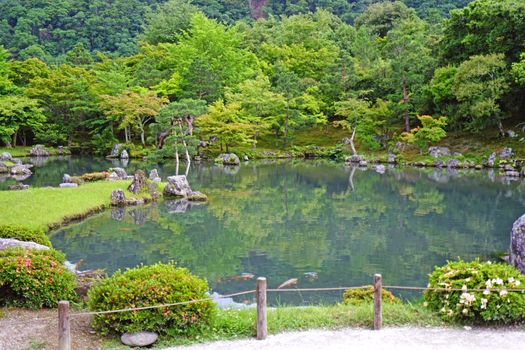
(23, 151)
(49, 207)
(231, 324)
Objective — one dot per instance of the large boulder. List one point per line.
(139, 339)
(21, 169)
(124, 155)
(5, 156)
(506, 153)
(452, 163)
(115, 151)
(178, 186)
(138, 183)
(38, 151)
(11, 242)
(154, 176)
(118, 198)
(228, 159)
(120, 172)
(436, 152)
(517, 244)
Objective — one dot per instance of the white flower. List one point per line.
(517, 282)
(486, 292)
(489, 262)
(497, 281)
(464, 288)
(488, 283)
(484, 303)
(464, 311)
(511, 279)
(425, 304)
(443, 310)
(502, 292)
(450, 313)
(467, 279)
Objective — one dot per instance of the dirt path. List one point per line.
(22, 329)
(388, 338)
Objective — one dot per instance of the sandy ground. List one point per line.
(22, 329)
(388, 338)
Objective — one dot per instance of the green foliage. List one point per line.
(365, 295)
(431, 131)
(34, 278)
(19, 114)
(379, 18)
(28, 234)
(147, 286)
(495, 304)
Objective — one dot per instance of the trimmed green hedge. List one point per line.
(366, 295)
(147, 286)
(34, 278)
(27, 234)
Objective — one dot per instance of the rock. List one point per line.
(118, 198)
(246, 158)
(439, 163)
(391, 159)
(68, 184)
(139, 339)
(453, 163)
(61, 150)
(508, 167)
(115, 151)
(66, 179)
(512, 173)
(177, 186)
(138, 183)
(11, 242)
(228, 159)
(38, 151)
(511, 133)
(5, 156)
(18, 187)
(121, 173)
(478, 167)
(363, 163)
(506, 153)
(517, 244)
(124, 155)
(154, 176)
(380, 169)
(436, 152)
(491, 160)
(20, 169)
(356, 158)
(3, 168)
(196, 196)
(113, 176)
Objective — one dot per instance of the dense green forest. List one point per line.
(90, 73)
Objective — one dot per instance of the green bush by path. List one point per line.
(366, 295)
(34, 278)
(41, 208)
(147, 286)
(495, 304)
(28, 234)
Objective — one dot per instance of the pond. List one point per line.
(317, 221)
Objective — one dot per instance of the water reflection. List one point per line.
(297, 219)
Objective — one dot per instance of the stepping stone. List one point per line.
(139, 338)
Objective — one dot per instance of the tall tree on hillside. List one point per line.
(19, 115)
(379, 18)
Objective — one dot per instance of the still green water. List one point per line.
(284, 219)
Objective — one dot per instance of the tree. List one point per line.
(133, 110)
(19, 115)
(379, 18)
(518, 70)
(431, 131)
(479, 85)
(5, 82)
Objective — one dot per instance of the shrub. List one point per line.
(34, 278)
(366, 295)
(89, 177)
(493, 304)
(28, 234)
(147, 286)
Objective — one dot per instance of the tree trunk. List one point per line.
(15, 135)
(142, 135)
(24, 138)
(177, 161)
(405, 101)
(352, 141)
(126, 134)
(285, 131)
(227, 149)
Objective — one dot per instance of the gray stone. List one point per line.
(177, 186)
(11, 242)
(436, 152)
(196, 196)
(138, 183)
(492, 159)
(113, 176)
(453, 163)
(38, 151)
(228, 159)
(506, 153)
(20, 169)
(356, 158)
(3, 168)
(391, 159)
(439, 163)
(66, 179)
(380, 168)
(478, 167)
(508, 167)
(511, 133)
(512, 173)
(121, 173)
(139, 338)
(5, 156)
(118, 198)
(363, 163)
(115, 151)
(68, 184)
(246, 158)
(124, 155)
(18, 187)
(517, 244)
(154, 176)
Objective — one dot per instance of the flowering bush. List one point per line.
(34, 278)
(484, 292)
(148, 286)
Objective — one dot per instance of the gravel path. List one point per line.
(388, 338)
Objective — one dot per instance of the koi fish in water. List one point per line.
(289, 283)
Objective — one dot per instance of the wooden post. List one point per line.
(378, 316)
(64, 333)
(260, 295)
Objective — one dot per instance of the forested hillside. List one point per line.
(49, 28)
(89, 74)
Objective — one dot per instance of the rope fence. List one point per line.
(261, 291)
